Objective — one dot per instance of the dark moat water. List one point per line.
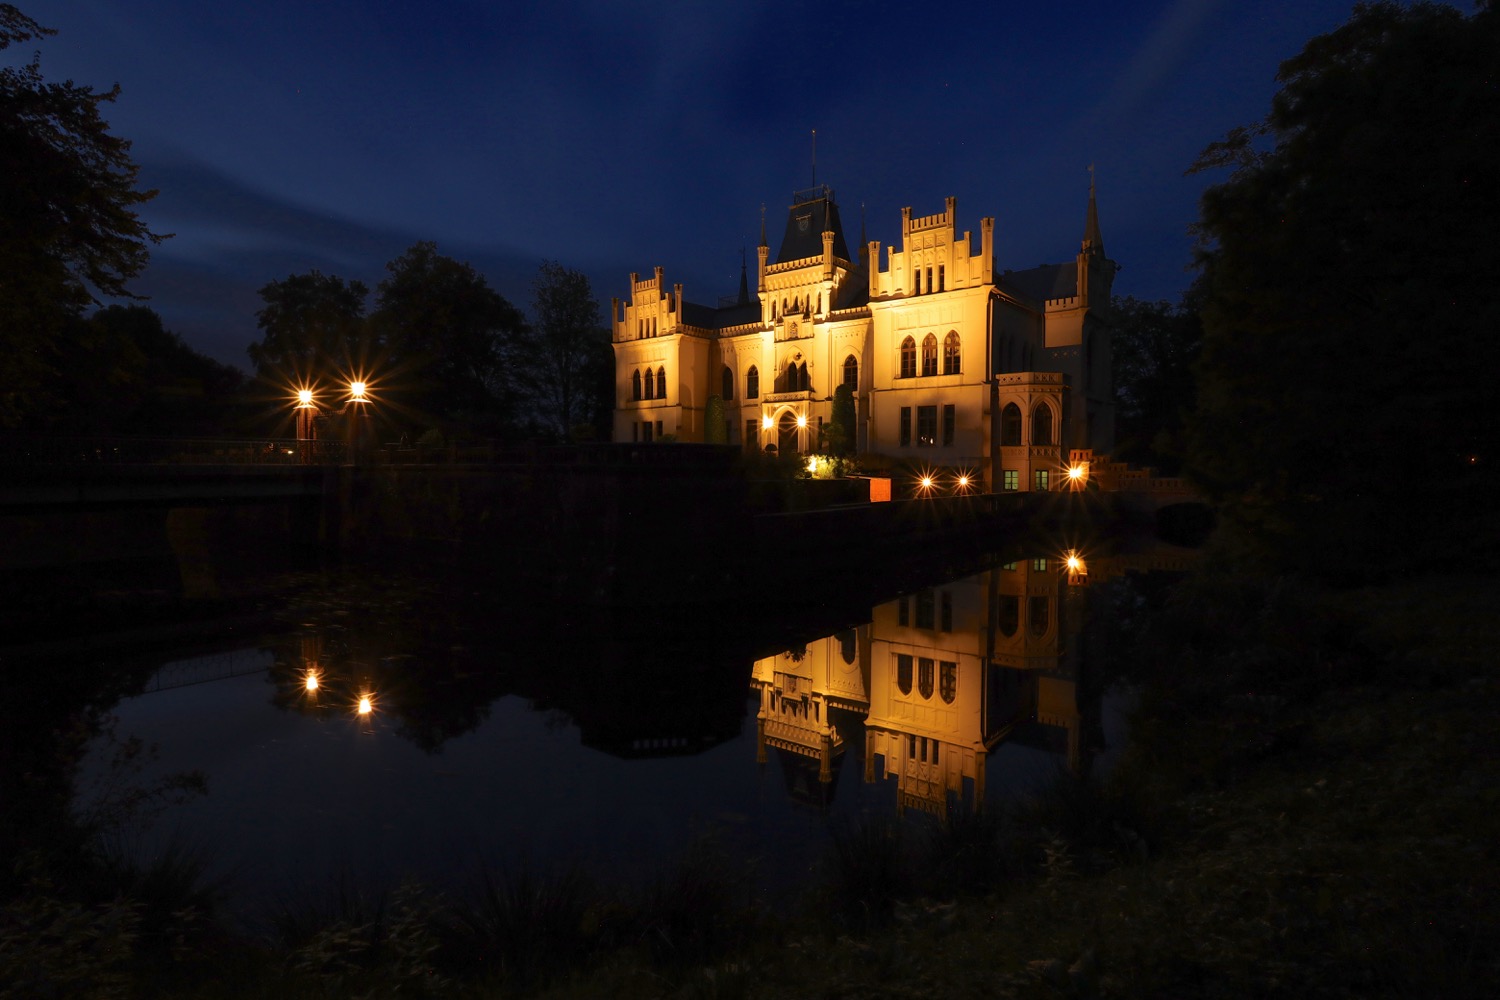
(494, 734)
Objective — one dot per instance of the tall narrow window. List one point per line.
(1041, 425)
(903, 672)
(1040, 483)
(940, 278)
(752, 383)
(908, 358)
(951, 353)
(924, 677)
(661, 383)
(851, 372)
(925, 608)
(950, 423)
(926, 426)
(1010, 424)
(635, 385)
(929, 279)
(1040, 615)
(929, 355)
(1008, 614)
(1012, 480)
(726, 384)
(948, 680)
(916, 281)
(650, 384)
(905, 426)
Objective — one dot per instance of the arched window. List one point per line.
(1010, 424)
(924, 677)
(635, 385)
(947, 670)
(908, 358)
(727, 384)
(1009, 615)
(851, 372)
(803, 382)
(929, 355)
(650, 384)
(950, 353)
(903, 672)
(848, 645)
(752, 383)
(661, 383)
(1041, 425)
(1041, 614)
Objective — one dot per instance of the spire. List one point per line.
(762, 223)
(744, 281)
(1092, 240)
(864, 243)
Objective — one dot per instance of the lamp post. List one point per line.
(307, 427)
(357, 414)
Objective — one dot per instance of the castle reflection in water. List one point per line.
(940, 678)
(925, 692)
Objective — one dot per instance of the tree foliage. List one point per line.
(841, 425)
(1155, 345)
(1349, 348)
(70, 231)
(313, 330)
(565, 357)
(445, 335)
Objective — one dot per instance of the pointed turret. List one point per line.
(744, 299)
(1093, 241)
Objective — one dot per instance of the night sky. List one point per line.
(615, 137)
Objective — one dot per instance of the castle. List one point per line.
(953, 364)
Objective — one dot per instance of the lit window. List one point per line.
(929, 355)
(908, 358)
(1039, 565)
(926, 426)
(1041, 481)
(1012, 479)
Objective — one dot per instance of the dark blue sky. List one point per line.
(615, 137)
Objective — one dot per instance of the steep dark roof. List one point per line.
(710, 318)
(1038, 284)
(809, 215)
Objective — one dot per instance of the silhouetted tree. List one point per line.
(312, 331)
(446, 335)
(1155, 345)
(714, 431)
(841, 424)
(564, 352)
(1345, 395)
(69, 229)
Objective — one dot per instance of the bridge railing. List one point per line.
(22, 451)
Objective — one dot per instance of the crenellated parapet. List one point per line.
(933, 257)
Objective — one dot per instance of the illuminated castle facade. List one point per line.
(952, 362)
